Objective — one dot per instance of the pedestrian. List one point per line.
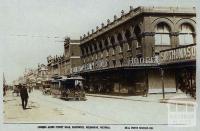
(24, 96)
(4, 90)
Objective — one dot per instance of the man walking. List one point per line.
(24, 96)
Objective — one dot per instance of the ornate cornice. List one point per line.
(131, 14)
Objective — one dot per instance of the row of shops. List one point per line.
(164, 75)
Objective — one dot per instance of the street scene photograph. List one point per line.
(99, 63)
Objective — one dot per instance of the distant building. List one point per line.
(30, 77)
(72, 55)
(42, 74)
(59, 66)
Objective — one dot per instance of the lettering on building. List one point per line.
(187, 53)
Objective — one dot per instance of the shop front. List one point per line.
(181, 61)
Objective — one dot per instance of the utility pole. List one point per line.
(163, 86)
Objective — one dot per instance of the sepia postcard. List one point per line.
(99, 65)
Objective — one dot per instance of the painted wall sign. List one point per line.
(186, 53)
(105, 64)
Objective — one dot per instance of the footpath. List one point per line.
(170, 98)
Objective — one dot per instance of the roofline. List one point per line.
(135, 12)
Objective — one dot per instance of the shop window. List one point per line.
(162, 36)
(186, 34)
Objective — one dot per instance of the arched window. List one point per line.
(186, 34)
(100, 45)
(86, 49)
(162, 36)
(95, 47)
(137, 32)
(106, 43)
(112, 40)
(119, 37)
(91, 50)
(127, 34)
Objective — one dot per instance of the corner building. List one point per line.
(122, 56)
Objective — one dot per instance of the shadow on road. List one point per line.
(28, 108)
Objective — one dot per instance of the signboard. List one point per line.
(181, 54)
(142, 61)
(101, 64)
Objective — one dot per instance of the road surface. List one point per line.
(96, 110)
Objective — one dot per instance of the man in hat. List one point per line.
(24, 96)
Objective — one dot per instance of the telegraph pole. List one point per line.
(163, 86)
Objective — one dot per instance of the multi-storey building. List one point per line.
(72, 54)
(30, 77)
(122, 56)
(59, 66)
(55, 66)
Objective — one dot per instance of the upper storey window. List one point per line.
(128, 36)
(106, 43)
(119, 37)
(186, 34)
(91, 50)
(100, 45)
(112, 40)
(162, 36)
(137, 32)
(86, 49)
(95, 47)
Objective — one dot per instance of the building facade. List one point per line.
(122, 56)
(59, 66)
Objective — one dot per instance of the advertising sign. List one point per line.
(181, 54)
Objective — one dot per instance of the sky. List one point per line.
(31, 30)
